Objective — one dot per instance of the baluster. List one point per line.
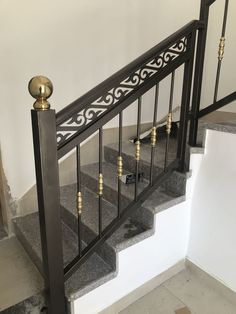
(120, 163)
(100, 182)
(154, 134)
(221, 51)
(169, 118)
(138, 148)
(79, 199)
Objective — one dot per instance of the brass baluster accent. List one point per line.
(79, 203)
(137, 151)
(119, 166)
(169, 123)
(153, 137)
(221, 48)
(100, 184)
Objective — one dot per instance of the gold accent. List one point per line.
(100, 184)
(137, 152)
(168, 123)
(221, 48)
(119, 166)
(40, 88)
(153, 136)
(79, 203)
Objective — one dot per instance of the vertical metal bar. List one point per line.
(154, 134)
(100, 181)
(79, 199)
(221, 51)
(47, 176)
(120, 162)
(186, 94)
(137, 144)
(198, 75)
(169, 118)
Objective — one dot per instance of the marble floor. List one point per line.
(185, 293)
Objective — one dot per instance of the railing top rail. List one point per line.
(106, 85)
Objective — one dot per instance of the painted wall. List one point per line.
(213, 217)
(77, 44)
(134, 267)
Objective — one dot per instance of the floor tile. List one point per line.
(200, 298)
(160, 301)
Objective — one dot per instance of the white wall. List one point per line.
(213, 216)
(77, 44)
(134, 266)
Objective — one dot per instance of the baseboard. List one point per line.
(144, 289)
(214, 283)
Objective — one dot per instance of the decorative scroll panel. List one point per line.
(93, 110)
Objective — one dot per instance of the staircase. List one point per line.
(102, 265)
(81, 230)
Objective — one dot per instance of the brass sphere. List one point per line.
(40, 88)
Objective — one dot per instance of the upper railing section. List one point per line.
(85, 115)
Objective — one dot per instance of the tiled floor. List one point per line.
(19, 278)
(183, 294)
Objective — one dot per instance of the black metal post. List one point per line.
(47, 176)
(198, 75)
(186, 94)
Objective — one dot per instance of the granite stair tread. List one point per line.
(158, 197)
(127, 233)
(128, 153)
(94, 272)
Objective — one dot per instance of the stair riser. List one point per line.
(175, 184)
(106, 252)
(142, 215)
(28, 248)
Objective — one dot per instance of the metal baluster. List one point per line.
(221, 51)
(120, 163)
(100, 182)
(169, 118)
(138, 148)
(79, 199)
(154, 134)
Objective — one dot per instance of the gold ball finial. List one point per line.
(40, 88)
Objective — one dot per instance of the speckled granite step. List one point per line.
(94, 272)
(177, 181)
(154, 202)
(129, 232)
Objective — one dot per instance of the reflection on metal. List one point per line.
(221, 48)
(138, 148)
(100, 184)
(168, 123)
(79, 203)
(119, 166)
(40, 88)
(153, 137)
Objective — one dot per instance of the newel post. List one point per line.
(47, 177)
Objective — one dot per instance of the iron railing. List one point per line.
(57, 134)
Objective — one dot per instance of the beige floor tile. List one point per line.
(19, 278)
(158, 301)
(199, 297)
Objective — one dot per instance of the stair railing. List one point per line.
(197, 113)
(57, 134)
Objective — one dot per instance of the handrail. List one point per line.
(94, 93)
(99, 97)
(217, 105)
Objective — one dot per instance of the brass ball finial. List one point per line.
(40, 88)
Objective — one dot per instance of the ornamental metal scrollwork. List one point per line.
(93, 110)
